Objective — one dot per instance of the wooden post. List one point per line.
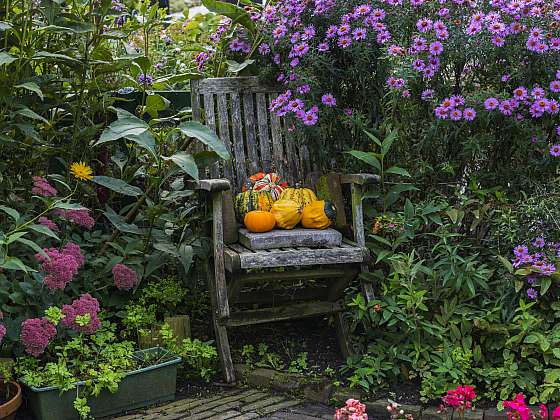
(360, 236)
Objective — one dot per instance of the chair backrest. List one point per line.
(237, 109)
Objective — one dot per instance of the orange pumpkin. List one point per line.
(259, 221)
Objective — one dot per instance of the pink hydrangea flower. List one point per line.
(125, 278)
(42, 187)
(85, 305)
(79, 217)
(36, 333)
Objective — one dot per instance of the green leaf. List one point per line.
(372, 137)
(65, 205)
(33, 87)
(155, 104)
(206, 136)
(15, 264)
(6, 58)
(235, 13)
(368, 158)
(545, 284)
(119, 222)
(144, 63)
(398, 171)
(126, 125)
(388, 142)
(176, 78)
(26, 112)
(4, 26)
(146, 141)
(186, 256)
(43, 230)
(33, 246)
(53, 56)
(117, 185)
(186, 162)
(506, 263)
(235, 67)
(11, 212)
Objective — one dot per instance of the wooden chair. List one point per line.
(244, 284)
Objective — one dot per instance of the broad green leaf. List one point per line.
(545, 284)
(42, 55)
(167, 247)
(388, 142)
(186, 256)
(144, 63)
(506, 263)
(186, 162)
(26, 112)
(6, 58)
(14, 214)
(33, 87)
(398, 171)
(368, 158)
(43, 230)
(126, 125)
(117, 185)
(14, 237)
(206, 136)
(176, 78)
(235, 13)
(372, 137)
(235, 67)
(4, 26)
(119, 222)
(12, 263)
(146, 141)
(33, 246)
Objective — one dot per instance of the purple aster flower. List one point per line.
(520, 250)
(310, 118)
(359, 34)
(323, 46)
(427, 94)
(328, 99)
(532, 293)
(455, 114)
(436, 48)
(469, 114)
(555, 150)
(344, 42)
(539, 242)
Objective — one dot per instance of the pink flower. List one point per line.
(460, 398)
(125, 278)
(556, 413)
(60, 268)
(518, 407)
(85, 305)
(75, 251)
(48, 223)
(2, 332)
(42, 187)
(36, 333)
(353, 410)
(79, 217)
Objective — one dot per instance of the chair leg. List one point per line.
(342, 334)
(222, 342)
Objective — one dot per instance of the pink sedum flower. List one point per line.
(79, 217)
(3, 332)
(125, 277)
(85, 305)
(36, 333)
(42, 187)
(48, 223)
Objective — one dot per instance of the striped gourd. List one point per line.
(251, 200)
(302, 196)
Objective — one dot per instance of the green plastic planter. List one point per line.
(139, 388)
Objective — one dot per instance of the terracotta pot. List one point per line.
(9, 409)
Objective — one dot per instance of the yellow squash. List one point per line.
(318, 215)
(287, 213)
(302, 196)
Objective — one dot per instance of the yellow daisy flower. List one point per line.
(81, 171)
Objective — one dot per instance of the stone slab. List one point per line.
(277, 238)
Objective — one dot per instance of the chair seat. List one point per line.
(238, 257)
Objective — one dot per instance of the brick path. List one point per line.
(238, 404)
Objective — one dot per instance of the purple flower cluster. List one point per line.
(145, 79)
(216, 38)
(3, 332)
(48, 223)
(61, 266)
(86, 305)
(125, 278)
(42, 187)
(538, 259)
(80, 217)
(36, 333)
(453, 108)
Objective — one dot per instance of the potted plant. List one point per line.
(10, 392)
(76, 367)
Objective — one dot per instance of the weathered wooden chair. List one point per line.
(313, 279)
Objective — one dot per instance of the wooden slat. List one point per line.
(325, 273)
(278, 238)
(277, 148)
(235, 84)
(304, 159)
(282, 313)
(250, 134)
(211, 123)
(264, 136)
(195, 102)
(224, 134)
(293, 174)
(237, 144)
(291, 258)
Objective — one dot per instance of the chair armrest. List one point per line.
(360, 179)
(210, 185)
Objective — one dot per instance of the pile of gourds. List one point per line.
(266, 203)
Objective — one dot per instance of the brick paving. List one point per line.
(238, 404)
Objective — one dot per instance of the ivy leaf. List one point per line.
(117, 185)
